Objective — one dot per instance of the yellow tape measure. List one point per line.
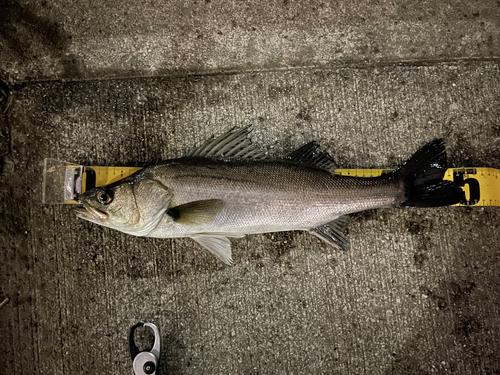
(101, 176)
(481, 185)
(81, 179)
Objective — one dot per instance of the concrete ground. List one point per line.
(127, 83)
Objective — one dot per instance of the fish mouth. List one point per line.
(91, 214)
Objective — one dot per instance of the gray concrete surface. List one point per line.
(418, 293)
(88, 39)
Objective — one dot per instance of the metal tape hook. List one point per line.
(145, 362)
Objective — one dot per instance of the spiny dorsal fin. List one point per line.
(311, 155)
(334, 233)
(234, 143)
(196, 213)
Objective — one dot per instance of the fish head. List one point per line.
(132, 205)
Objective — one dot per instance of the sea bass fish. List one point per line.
(228, 187)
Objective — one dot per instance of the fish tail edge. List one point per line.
(422, 176)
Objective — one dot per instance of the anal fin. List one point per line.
(334, 233)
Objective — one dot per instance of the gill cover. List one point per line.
(134, 205)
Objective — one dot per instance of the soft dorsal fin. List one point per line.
(311, 155)
(234, 143)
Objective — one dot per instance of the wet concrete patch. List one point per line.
(416, 286)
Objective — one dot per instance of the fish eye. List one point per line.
(104, 197)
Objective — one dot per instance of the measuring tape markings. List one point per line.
(481, 185)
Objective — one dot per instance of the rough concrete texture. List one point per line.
(417, 293)
(88, 39)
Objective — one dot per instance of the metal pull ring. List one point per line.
(145, 362)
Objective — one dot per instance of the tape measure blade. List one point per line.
(481, 185)
(102, 176)
(361, 173)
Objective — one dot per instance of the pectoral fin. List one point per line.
(334, 233)
(196, 213)
(217, 245)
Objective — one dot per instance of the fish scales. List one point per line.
(228, 187)
(269, 196)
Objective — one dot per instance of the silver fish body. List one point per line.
(228, 188)
(267, 196)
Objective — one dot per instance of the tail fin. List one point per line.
(422, 175)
